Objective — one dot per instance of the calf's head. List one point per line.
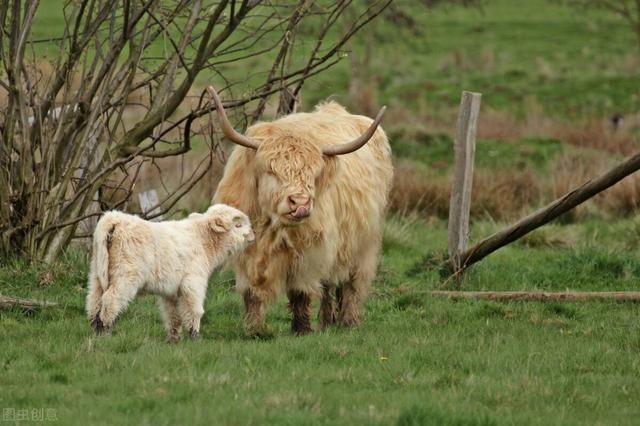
(230, 222)
(291, 173)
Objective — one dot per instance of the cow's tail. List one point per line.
(99, 274)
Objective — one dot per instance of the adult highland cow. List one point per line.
(315, 186)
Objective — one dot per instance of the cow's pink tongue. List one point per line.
(301, 212)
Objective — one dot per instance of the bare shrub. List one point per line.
(119, 98)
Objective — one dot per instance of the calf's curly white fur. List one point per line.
(171, 259)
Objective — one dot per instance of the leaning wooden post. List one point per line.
(465, 148)
(545, 215)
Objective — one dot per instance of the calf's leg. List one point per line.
(114, 300)
(171, 316)
(191, 305)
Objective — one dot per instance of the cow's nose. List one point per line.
(298, 200)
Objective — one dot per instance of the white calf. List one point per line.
(171, 259)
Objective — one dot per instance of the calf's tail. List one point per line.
(99, 274)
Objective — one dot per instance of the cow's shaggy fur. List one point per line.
(337, 244)
(171, 259)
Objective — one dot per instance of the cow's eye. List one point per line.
(238, 225)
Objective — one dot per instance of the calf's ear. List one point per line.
(219, 225)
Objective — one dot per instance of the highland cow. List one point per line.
(315, 186)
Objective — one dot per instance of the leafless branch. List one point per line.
(84, 129)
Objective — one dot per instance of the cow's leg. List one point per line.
(255, 314)
(339, 298)
(94, 303)
(300, 306)
(191, 305)
(352, 295)
(327, 314)
(114, 300)
(355, 290)
(171, 316)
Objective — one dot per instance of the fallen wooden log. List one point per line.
(545, 215)
(540, 296)
(7, 302)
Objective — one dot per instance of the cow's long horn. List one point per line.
(355, 144)
(227, 128)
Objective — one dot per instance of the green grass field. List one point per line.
(570, 61)
(416, 360)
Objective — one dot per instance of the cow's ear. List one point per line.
(329, 172)
(219, 225)
(239, 184)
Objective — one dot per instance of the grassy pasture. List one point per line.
(416, 360)
(572, 63)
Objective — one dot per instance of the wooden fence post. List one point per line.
(465, 148)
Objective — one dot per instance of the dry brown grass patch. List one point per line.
(502, 194)
(414, 190)
(505, 194)
(597, 134)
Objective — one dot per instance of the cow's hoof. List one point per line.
(326, 321)
(349, 322)
(303, 331)
(172, 338)
(263, 332)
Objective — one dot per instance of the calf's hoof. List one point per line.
(100, 328)
(97, 325)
